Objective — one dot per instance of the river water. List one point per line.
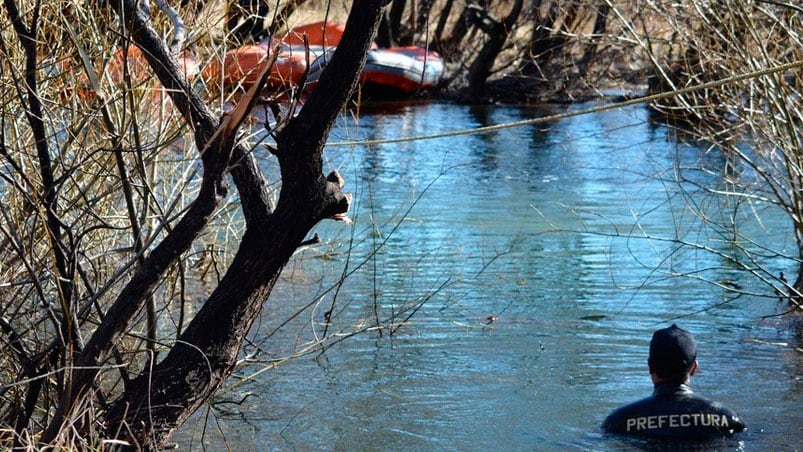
(537, 261)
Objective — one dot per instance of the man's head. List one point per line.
(673, 355)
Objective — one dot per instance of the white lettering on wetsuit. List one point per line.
(635, 424)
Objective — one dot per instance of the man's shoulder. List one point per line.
(699, 403)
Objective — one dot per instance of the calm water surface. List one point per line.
(541, 259)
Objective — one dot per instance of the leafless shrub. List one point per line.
(107, 156)
(754, 119)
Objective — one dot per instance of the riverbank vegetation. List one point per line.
(130, 272)
(753, 120)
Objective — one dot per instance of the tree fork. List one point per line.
(216, 149)
(162, 398)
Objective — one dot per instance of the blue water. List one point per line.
(535, 263)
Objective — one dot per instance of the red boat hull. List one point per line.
(242, 66)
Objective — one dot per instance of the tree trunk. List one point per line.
(447, 47)
(541, 44)
(497, 33)
(795, 298)
(395, 15)
(158, 401)
(391, 33)
(600, 22)
(443, 16)
(155, 403)
(245, 19)
(423, 17)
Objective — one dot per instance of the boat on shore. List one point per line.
(394, 72)
(304, 53)
(405, 70)
(323, 33)
(240, 67)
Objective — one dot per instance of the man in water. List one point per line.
(672, 411)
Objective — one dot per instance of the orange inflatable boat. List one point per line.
(241, 66)
(326, 34)
(392, 72)
(404, 69)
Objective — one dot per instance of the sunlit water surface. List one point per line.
(541, 259)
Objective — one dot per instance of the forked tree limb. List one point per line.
(251, 185)
(216, 154)
(159, 400)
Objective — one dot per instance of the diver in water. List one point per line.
(673, 411)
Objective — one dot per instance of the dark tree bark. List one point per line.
(443, 17)
(795, 295)
(497, 32)
(423, 17)
(546, 43)
(395, 15)
(449, 46)
(245, 19)
(541, 43)
(384, 37)
(391, 33)
(155, 403)
(600, 22)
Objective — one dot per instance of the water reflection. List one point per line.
(558, 249)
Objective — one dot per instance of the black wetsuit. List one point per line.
(672, 411)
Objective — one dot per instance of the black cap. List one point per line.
(672, 351)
